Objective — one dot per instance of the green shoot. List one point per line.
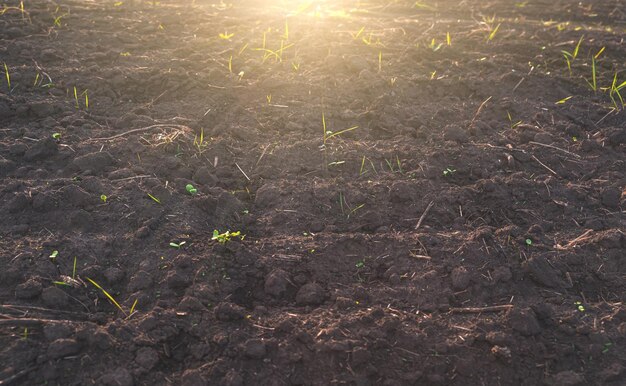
(358, 33)
(103, 198)
(225, 237)
(492, 32)
(513, 125)
(599, 52)
(230, 64)
(434, 46)
(8, 76)
(448, 172)
(380, 61)
(56, 136)
(448, 39)
(54, 255)
(74, 269)
(76, 97)
(574, 53)
(154, 198)
(615, 90)
(362, 166)
(199, 142)
(562, 101)
(177, 245)
(86, 100)
(132, 309)
(569, 64)
(191, 190)
(226, 35)
(115, 303)
(286, 34)
(593, 83)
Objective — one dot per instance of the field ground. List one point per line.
(431, 193)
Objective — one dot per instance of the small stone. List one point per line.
(455, 133)
(62, 348)
(117, 377)
(567, 378)
(141, 280)
(276, 282)
(41, 150)
(542, 272)
(193, 377)
(255, 348)
(524, 321)
(232, 378)
(147, 357)
(360, 355)
(113, 275)
(204, 176)
(95, 162)
(54, 297)
(461, 278)
(229, 312)
(544, 138)
(310, 294)
(28, 289)
(610, 197)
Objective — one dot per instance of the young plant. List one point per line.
(191, 189)
(111, 298)
(492, 32)
(570, 56)
(593, 83)
(448, 172)
(177, 245)
(225, 237)
(7, 76)
(154, 198)
(328, 134)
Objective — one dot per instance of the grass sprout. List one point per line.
(593, 84)
(8, 76)
(108, 295)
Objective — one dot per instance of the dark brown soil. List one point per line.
(514, 276)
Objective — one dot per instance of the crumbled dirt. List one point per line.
(511, 165)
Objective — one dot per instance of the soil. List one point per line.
(469, 231)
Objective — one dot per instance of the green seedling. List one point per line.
(8, 76)
(74, 269)
(103, 198)
(562, 101)
(434, 46)
(593, 83)
(198, 141)
(529, 242)
(154, 198)
(607, 347)
(360, 264)
(25, 334)
(111, 298)
(56, 136)
(579, 306)
(177, 245)
(358, 33)
(226, 35)
(449, 172)
(597, 55)
(191, 190)
(346, 210)
(380, 61)
(513, 125)
(328, 134)
(448, 39)
(363, 170)
(492, 32)
(227, 236)
(570, 56)
(615, 90)
(54, 255)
